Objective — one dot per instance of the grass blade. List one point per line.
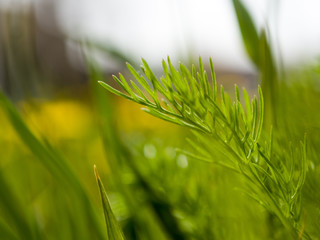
(53, 161)
(248, 30)
(114, 231)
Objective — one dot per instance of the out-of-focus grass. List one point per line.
(49, 147)
(70, 126)
(199, 196)
(187, 187)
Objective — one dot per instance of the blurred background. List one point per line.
(41, 39)
(68, 122)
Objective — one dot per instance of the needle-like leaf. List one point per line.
(114, 231)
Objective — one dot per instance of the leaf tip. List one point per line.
(96, 172)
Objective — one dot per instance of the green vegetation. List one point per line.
(226, 166)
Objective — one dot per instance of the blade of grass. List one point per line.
(114, 231)
(7, 233)
(14, 211)
(53, 161)
(248, 30)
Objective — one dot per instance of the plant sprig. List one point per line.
(189, 99)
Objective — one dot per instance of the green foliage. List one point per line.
(258, 46)
(118, 153)
(113, 229)
(52, 160)
(190, 100)
(248, 30)
(15, 211)
(255, 178)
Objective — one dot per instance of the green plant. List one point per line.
(242, 173)
(226, 133)
(113, 229)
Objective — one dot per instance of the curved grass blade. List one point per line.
(13, 212)
(52, 160)
(248, 30)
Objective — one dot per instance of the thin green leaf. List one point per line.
(52, 160)
(114, 91)
(248, 30)
(261, 114)
(114, 231)
(214, 80)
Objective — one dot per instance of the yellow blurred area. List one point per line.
(70, 125)
(7, 133)
(59, 118)
(132, 118)
(73, 119)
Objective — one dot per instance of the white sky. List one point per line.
(155, 29)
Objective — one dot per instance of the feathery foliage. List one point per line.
(156, 187)
(189, 99)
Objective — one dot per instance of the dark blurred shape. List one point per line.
(38, 59)
(33, 59)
